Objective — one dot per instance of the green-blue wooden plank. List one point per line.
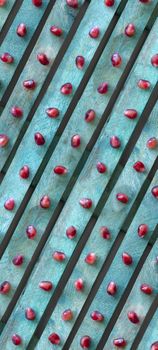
(151, 334)
(113, 216)
(4, 12)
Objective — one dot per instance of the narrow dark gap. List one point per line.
(10, 19)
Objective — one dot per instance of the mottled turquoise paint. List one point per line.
(4, 12)
(151, 334)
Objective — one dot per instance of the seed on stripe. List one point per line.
(5, 287)
(79, 284)
(85, 342)
(60, 170)
(4, 139)
(16, 112)
(16, 339)
(43, 59)
(122, 197)
(29, 84)
(66, 89)
(7, 58)
(103, 88)
(146, 289)
(142, 230)
(120, 342)
(18, 260)
(133, 317)
(104, 232)
(115, 142)
(46, 285)
(54, 338)
(130, 30)
(31, 232)
(30, 314)
(56, 31)
(143, 84)
(86, 203)
(94, 32)
(127, 259)
(71, 232)
(90, 115)
(21, 30)
(116, 60)
(112, 288)
(59, 256)
(45, 202)
(80, 61)
(9, 204)
(39, 139)
(67, 315)
(91, 258)
(97, 316)
(24, 172)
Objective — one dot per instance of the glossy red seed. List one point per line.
(154, 60)
(45, 202)
(94, 32)
(71, 232)
(60, 170)
(101, 167)
(4, 139)
(9, 204)
(143, 84)
(30, 314)
(46, 285)
(72, 3)
(67, 315)
(133, 317)
(5, 287)
(90, 115)
(52, 112)
(154, 346)
(109, 3)
(18, 260)
(2, 2)
(97, 316)
(59, 256)
(130, 30)
(29, 84)
(24, 172)
(85, 203)
(142, 230)
(115, 142)
(66, 89)
(21, 30)
(85, 342)
(39, 139)
(152, 143)
(37, 3)
(43, 59)
(154, 191)
(116, 60)
(7, 58)
(146, 289)
(56, 31)
(145, 1)
(75, 141)
(105, 233)
(91, 258)
(120, 342)
(54, 338)
(16, 111)
(79, 284)
(103, 88)
(112, 288)
(130, 113)
(139, 167)
(127, 259)
(16, 339)
(80, 61)
(122, 197)
(31, 232)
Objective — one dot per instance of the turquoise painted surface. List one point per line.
(4, 12)
(151, 334)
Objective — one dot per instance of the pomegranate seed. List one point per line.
(45, 202)
(120, 342)
(105, 233)
(67, 315)
(85, 342)
(2, 2)
(80, 61)
(60, 170)
(154, 191)
(90, 115)
(133, 317)
(103, 88)
(56, 30)
(79, 284)
(152, 143)
(90, 258)
(59, 256)
(16, 111)
(97, 316)
(18, 260)
(130, 30)
(21, 30)
(16, 339)
(75, 141)
(154, 346)
(109, 3)
(52, 112)
(39, 139)
(3, 140)
(127, 259)
(46, 285)
(94, 32)
(142, 230)
(72, 3)
(101, 167)
(146, 289)
(115, 142)
(145, 1)
(85, 203)
(9, 204)
(31, 232)
(30, 314)
(139, 167)
(71, 232)
(130, 113)
(43, 59)
(143, 84)
(123, 198)
(66, 89)
(6, 58)
(29, 84)
(37, 3)
(5, 287)
(54, 338)
(116, 59)
(24, 172)
(112, 288)
(154, 60)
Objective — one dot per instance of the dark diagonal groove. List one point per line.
(10, 19)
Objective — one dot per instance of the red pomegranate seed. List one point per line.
(39, 139)
(72, 3)
(154, 346)
(75, 141)
(16, 339)
(59, 256)
(9, 204)
(90, 258)
(146, 289)
(116, 59)
(60, 170)
(31, 232)
(79, 284)
(43, 59)
(80, 61)
(71, 232)
(24, 172)
(109, 3)
(105, 233)
(90, 115)
(94, 32)
(56, 30)
(101, 167)
(85, 203)
(139, 167)
(3, 140)
(6, 58)
(112, 288)
(154, 191)
(37, 3)
(21, 30)
(127, 259)
(45, 202)
(97, 316)
(67, 315)
(85, 342)
(122, 197)
(142, 230)
(66, 89)
(2, 2)
(154, 60)
(103, 88)
(130, 113)
(130, 30)
(54, 338)
(133, 317)
(145, 1)
(18, 260)
(152, 143)
(120, 342)
(5, 287)
(115, 142)
(46, 285)
(143, 84)
(52, 112)
(30, 314)
(29, 84)
(16, 111)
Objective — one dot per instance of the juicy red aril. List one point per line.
(46, 285)
(142, 230)
(54, 338)
(130, 30)
(154, 60)
(71, 232)
(130, 113)
(116, 59)
(103, 88)
(31, 232)
(24, 172)
(5, 287)
(6, 58)
(94, 32)
(79, 284)
(52, 112)
(67, 315)
(37, 3)
(145, 1)
(112, 288)
(29, 84)
(120, 342)
(18, 260)
(143, 84)
(90, 115)
(104, 232)
(39, 139)
(122, 197)
(80, 61)
(59, 256)
(115, 142)
(85, 203)
(60, 170)
(85, 342)
(16, 339)
(16, 111)
(4, 139)
(45, 202)
(72, 3)
(152, 143)
(66, 89)
(146, 289)
(139, 167)
(90, 258)
(154, 346)
(109, 3)
(21, 30)
(127, 259)
(9, 204)
(56, 30)
(97, 316)
(30, 314)
(43, 59)
(101, 167)
(154, 191)
(75, 141)
(133, 317)
(2, 2)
